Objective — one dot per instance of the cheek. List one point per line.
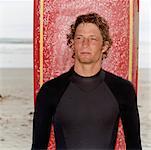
(96, 43)
(96, 47)
(77, 46)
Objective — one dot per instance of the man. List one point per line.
(85, 103)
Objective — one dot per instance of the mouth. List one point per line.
(85, 53)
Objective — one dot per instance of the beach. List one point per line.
(144, 106)
(17, 105)
(16, 109)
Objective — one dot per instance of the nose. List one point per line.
(85, 42)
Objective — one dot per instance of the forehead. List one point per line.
(88, 28)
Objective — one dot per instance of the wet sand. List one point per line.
(16, 108)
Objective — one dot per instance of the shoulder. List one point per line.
(117, 81)
(59, 81)
(51, 90)
(122, 89)
(55, 85)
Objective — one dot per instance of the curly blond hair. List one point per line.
(96, 19)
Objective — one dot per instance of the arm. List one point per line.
(130, 120)
(42, 119)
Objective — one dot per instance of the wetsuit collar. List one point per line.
(88, 83)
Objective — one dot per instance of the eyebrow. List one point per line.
(78, 35)
(93, 35)
(89, 35)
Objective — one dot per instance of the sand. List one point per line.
(144, 105)
(16, 108)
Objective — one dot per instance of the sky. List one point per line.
(16, 18)
(145, 20)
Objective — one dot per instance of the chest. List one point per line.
(80, 107)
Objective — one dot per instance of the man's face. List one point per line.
(88, 44)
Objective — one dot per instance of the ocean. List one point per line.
(16, 54)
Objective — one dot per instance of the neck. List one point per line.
(87, 70)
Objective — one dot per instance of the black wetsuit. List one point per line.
(85, 112)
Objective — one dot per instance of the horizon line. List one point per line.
(11, 40)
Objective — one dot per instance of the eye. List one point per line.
(78, 38)
(93, 39)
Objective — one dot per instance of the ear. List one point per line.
(105, 46)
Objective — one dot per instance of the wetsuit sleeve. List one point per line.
(130, 120)
(42, 119)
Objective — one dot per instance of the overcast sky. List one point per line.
(16, 19)
(145, 20)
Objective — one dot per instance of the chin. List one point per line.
(85, 61)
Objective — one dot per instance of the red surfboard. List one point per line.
(52, 57)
